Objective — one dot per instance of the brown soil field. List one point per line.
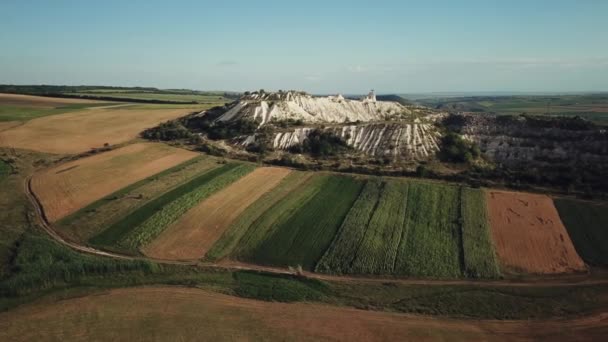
(188, 314)
(4, 125)
(65, 188)
(195, 232)
(39, 101)
(82, 130)
(529, 235)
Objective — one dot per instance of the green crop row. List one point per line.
(480, 260)
(116, 232)
(340, 255)
(157, 222)
(430, 246)
(230, 239)
(267, 223)
(305, 236)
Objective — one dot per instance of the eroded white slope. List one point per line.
(408, 141)
(264, 108)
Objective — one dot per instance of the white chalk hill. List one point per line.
(266, 107)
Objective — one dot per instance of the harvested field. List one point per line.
(238, 228)
(95, 217)
(20, 108)
(185, 314)
(529, 236)
(65, 188)
(587, 224)
(193, 234)
(302, 238)
(82, 130)
(39, 101)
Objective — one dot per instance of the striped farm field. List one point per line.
(414, 229)
(146, 222)
(529, 235)
(587, 224)
(64, 189)
(156, 223)
(239, 227)
(191, 236)
(301, 234)
(97, 216)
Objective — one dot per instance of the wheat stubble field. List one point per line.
(70, 186)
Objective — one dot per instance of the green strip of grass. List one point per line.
(159, 220)
(120, 229)
(5, 169)
(21, 113)
(304, 237)
(267, 223)
(339, 256)
(430, 246)
(480, 259)
(229, 240)
(587, 225)
(122, 192)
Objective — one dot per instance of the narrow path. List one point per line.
(567, 280)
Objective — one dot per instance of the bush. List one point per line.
(321, 143)
(458, 150)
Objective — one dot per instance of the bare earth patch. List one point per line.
(65, 188)
(82, 130)
(187, 314)
(195, 232)
(529, 235)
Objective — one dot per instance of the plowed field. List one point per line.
(68, 187)
(528, 234)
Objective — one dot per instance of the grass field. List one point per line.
(64, 189)
(24, 107)
(529, 235)
(239, 227)
(480, 259)
(302, 238)
(170, 313)
(587, 224)
(80, 131)
(191, 236)
(217, 99)
(5, 169)
(95, 217)
(369, 238)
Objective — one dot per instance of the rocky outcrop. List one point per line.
(397, 140)
(266, 107)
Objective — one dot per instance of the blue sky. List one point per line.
(317, 46)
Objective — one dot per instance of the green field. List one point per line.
(294, 182)
(301, 238)
(593, 107)
(587, 225)
(215, 98)
(129, 226)
(25, 113)
(480, 260)
(5, 169)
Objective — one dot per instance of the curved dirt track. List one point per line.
(177, 313)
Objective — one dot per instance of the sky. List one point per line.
(317, 46)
